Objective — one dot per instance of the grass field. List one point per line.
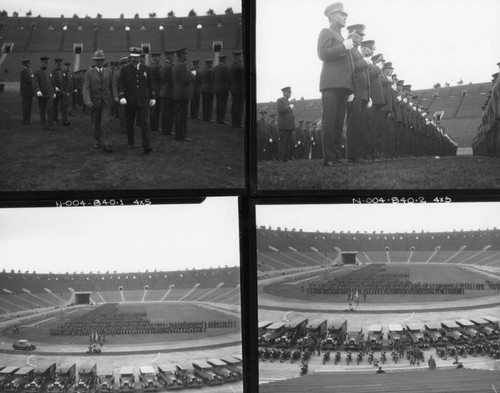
(418, 273)
(32, 159)
(169, 312)
(458, 172)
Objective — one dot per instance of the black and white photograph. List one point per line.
(375, 95)
(378, 298)
(122, 95)
(126, 298)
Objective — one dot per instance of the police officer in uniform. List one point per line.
(207, 90)
(237, 89)
(154, 114)
(166, 94)
(27, 92)
(182, 93)
(286, 123)
(62, 88)
(195, 101)
(221, 89)
(135, 90)
(45, 93)
(336, 82)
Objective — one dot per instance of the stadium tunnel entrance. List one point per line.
(80, 298)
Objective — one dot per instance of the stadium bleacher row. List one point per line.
(280, 250)
(34, 37)
(26, 291)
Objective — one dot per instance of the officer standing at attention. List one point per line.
(27, 91)
(195, 101)
(336, 81)
(154, 115)
(237, 89)
(207, 90)
(221, 89)
(166, 94)
(182, 93)
(61, 85)
(135, 90)
(286, 123)
(45, 93)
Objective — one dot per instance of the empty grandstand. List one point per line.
(22, 292)
(76, 39)
(279, 250)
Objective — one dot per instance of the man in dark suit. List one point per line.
(61, 85)
(71, 88)
(154, 115)
(166, 94)
(221, 89)
(237, 89)
(45, 93)
(135, 90)
(98, 97)
(336, 81)
(207, 90)
(27, 91)
(195, 101)
(182, 93)
(286, 123)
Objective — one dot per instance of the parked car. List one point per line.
(65, 377)
(168, 377)
(127, 379)
(21, 377)
(44, 374)
(24, 345)
(87, 377)
(106, 380)
(148, 378)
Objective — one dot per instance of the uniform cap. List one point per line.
(24, 61)
(182, 51)
(368, 44)
(67, 63)
(394, 76)
(169, 52)
(400, 83)
(360, 29)
(288, 88)
(407, 87)
(98, 55)
(155, 54)
(388, 66)
(124, 60)
(237, 53)
(44, 58)
(135, 52)
(196, 62)
(335, 7)
(58, 60)
(377, 57)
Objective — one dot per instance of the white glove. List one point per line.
(57, 89)
(380, 65)
(405, 100)
(399, 98)
(90, 105)
(291, 106)
(54, 96)
(123, 101)
(152, 102)
(270, 140)
(368, 60)
(369, 105)
(348, 44)
(350, 98)
(39, 94)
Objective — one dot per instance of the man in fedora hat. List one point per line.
(286, 124)
(98, 97)
(182, 93)
(27, 92)
(336, 81)
(45, 93)
(135, 90)
(62, 87)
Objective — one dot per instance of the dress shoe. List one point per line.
(108, 149)
(148, 150)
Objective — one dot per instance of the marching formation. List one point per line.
(107, 320)
(368, 113)
(154, 97)
(486, 141)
